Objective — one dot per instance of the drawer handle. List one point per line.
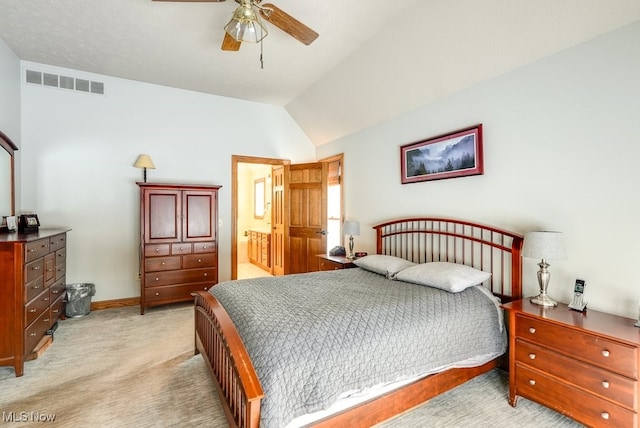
(55, 291)
(157, 250)
(532, 330)
(199, 260)
(36, 287)
(36, 268)
(181, 248)
(605, 384)
(205, 274)
(605, 415)
(55, 311)
(32, 310)
(46, 299)
(206, 288)
(46, 320)
(31, 250)
(157, 279)
(33, 335)
(157, 294)
(163, 263)
(532, 382)
(532, 356)
(605, 353)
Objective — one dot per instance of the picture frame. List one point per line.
(28, 223)
(455, 154)
(12, 223)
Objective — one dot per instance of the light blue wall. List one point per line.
(561, 149)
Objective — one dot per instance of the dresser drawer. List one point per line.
(57, 289)
(57, 309)
(156, 250)
(204, 247)
(36, 249)
(36, 307)
(34, 332)
(573, 402)
(61, 256)
(605, 353)
(34, 270)
(161, 263)
(57, 242)
(199, 260)
(49, 268)
(174, 292)
(620, 389)
(33, 288)
(329, 265)
(181, 248)
(180, 277)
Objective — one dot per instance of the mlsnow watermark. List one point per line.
(28, 417)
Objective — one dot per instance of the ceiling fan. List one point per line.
(246, 26)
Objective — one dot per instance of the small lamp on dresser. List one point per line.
(351, 228)
(545, 246)
(144, 162)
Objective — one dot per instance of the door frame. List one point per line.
(235, 160)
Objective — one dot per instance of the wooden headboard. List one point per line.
(432, 239)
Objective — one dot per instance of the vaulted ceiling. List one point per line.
(373, 60)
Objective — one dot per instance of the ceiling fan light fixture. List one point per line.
(245, 24)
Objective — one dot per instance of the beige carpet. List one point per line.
(116, 368)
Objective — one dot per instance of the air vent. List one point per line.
(64, 82)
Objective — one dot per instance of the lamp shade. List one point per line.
(144, 161)
(544, 245)
(351, 228)
(245, 24)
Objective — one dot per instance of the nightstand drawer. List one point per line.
(329, 265)
(594, 349)
(573, 402)
(620, 389)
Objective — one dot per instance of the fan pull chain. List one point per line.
(261, 60)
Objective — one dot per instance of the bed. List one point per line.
(421, 242)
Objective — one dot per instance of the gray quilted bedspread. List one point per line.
(313, 336)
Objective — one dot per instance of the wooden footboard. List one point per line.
(217, 340)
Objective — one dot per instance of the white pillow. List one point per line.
(451, 277)
(388, 266)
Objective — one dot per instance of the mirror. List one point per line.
(258, 198)
(7, 183)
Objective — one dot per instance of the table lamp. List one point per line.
(544, 246)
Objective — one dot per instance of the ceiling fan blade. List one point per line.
(289, 24)
(229, 43)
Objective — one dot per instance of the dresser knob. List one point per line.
(157, 279)
(532, 382)
(55, 291)
(36, 287)
(532, 356)
(532, 330)
(205, 274)
(32, 334)
(204, 247)
(46, 320)
(605, 353)
(163, 263)
(206, 288)
(605, 384)
(36, 268)
(157, 294)
(157, 250)
(55, 311)
(32, 310)
(199, 260)
(605, 415)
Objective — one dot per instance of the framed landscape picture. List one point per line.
(456, 154)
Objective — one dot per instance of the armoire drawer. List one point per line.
(181, 248)
(180, 277)
(154, 250)
(173, 292)
(199, 260)
(605, 353)
(204, 247)
(153, 264)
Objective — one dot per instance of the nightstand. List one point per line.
(583, 365)
(335, 262)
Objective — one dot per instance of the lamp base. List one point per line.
(543, 300)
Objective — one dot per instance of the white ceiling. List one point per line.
(374, 59)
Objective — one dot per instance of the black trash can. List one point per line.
(79, 299)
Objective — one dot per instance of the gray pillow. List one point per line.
(451, 277)
(388, 266)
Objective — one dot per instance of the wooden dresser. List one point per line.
(178, 241)
(259, 248)
(32, 289)
(584, 365)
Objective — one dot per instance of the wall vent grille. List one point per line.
(64, 82)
